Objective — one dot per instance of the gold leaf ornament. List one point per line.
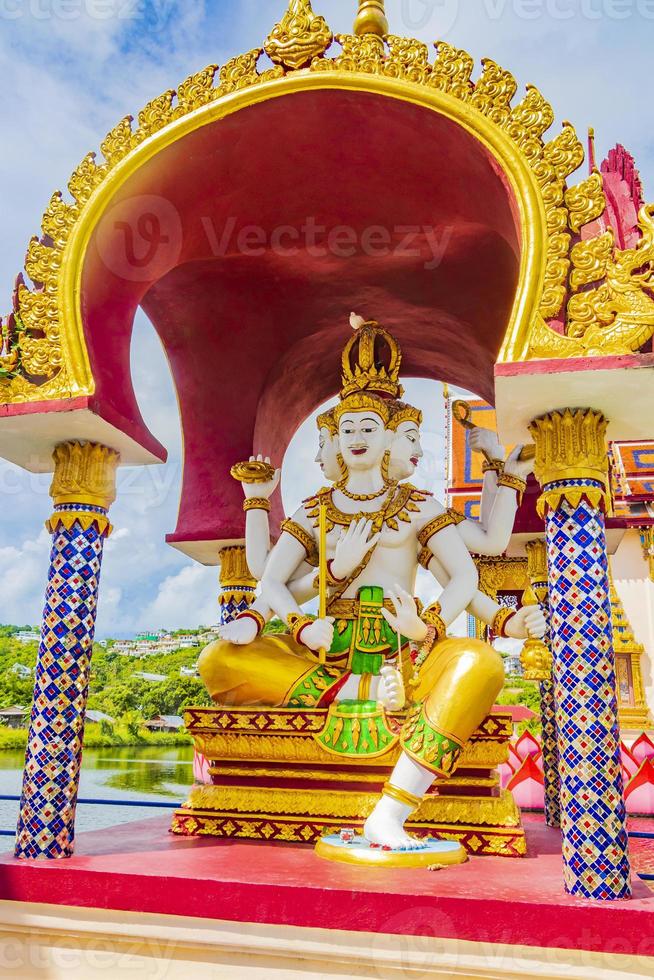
(586, 201)
(299, 37)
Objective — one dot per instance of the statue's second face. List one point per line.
(327, 457)
(363, 440)
(406, 451)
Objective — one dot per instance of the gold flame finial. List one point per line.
(299, 37)
(371, 18)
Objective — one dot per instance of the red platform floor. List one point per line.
(142, 867)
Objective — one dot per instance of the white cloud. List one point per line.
(186, 599)
(23, 572)
(109, 611)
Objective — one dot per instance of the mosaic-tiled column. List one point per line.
(237, 586)
(82, 489)
(537, 571)
(571, 466)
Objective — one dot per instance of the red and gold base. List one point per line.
(272, 780)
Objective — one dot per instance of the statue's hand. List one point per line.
(390, 692)
(319, 634)
(406, 620)
(240, 631)
(353, 545)
(516, 467)
(528, 622)
(262, 489)
(486, 441)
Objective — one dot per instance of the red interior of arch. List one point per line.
(249, 242)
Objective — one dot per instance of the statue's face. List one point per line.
(327, 457)
(363, 439)
(406, 451)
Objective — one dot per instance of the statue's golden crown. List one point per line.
(362, 401)
(401, 412)
(328, 421)
(371, 361)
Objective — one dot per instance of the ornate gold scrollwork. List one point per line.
(590, 259)
(494, 91)
(118, 142)
(616, 317)
(407, 59)
(501, 575)
(196, 90)
(452, 71)
(156, 114)
(586, 201)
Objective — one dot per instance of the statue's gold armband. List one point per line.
(305, 539)
(434, 526)
(256, 616)
(332, 581)
(426, 554)
(296, 623)
(501, 618)
(513, 483)
(431, 616)
(256, 503)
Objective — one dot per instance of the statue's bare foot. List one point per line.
(385, 827)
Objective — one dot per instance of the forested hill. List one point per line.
(114, 688)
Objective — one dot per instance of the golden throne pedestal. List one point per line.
(272, 780)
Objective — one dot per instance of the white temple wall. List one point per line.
(636, 590)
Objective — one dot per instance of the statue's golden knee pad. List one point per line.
(457, 660)
(480, 660)
(459, 695)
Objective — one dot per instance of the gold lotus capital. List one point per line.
(85, 472)
(234, 571)
(571, 450)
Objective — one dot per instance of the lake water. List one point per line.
(125, 773)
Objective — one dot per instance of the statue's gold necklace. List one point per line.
(398, 507)
(376, 516)
(362, 497)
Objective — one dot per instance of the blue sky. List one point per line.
(72, 68)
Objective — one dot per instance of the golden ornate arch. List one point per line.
(44, 352)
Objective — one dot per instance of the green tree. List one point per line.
(171, 696)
